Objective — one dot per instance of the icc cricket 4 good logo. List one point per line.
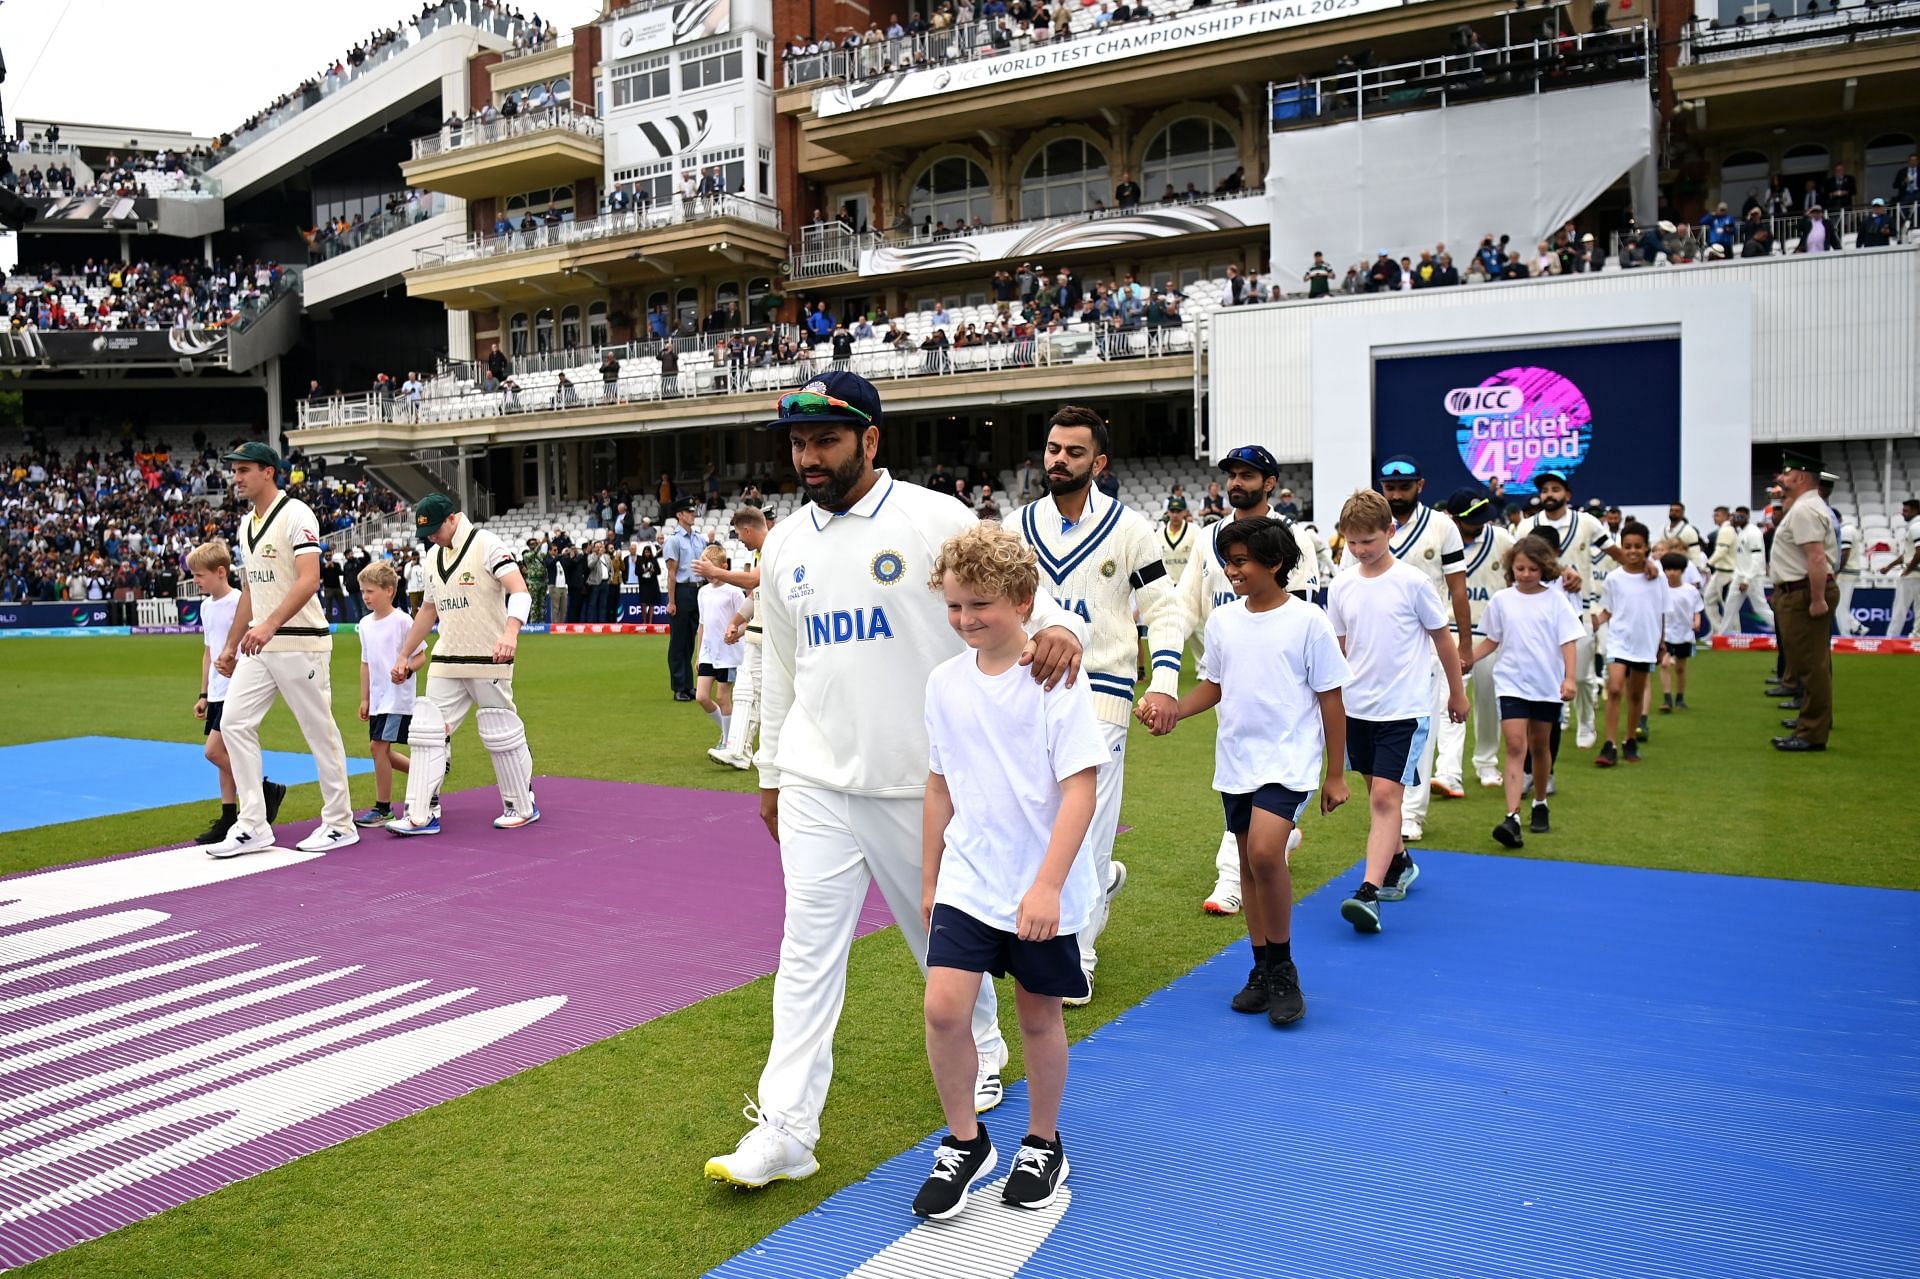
(1519, 422)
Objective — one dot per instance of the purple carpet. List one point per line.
(170, 1024)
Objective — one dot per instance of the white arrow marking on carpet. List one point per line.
(41, 942)
(55, 1029)
(987, 1241)
(76, 888)
(128, 978)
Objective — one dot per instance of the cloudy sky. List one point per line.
(198, 65)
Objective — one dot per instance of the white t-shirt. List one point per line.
(1683, 602)
(1635, 604)
(380, 641)
(216, 620)
(1384, 621)
(719, 604)
(1270, 667)
(1530, 630)
(987, 736)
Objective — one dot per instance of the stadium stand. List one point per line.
(101, 295)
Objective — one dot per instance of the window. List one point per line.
(726, 292)
(647, 181)
(1194, 150)
(517, 334)
(766, 169)
(640, 80)
(656, 301)
(561, 91)
(718, 64)
(1886, 156)
(1067, 176)
(757, 309)
(538, 202)
(954, 191)
(733, 162)
(597, 330)
(570, 329)
(1742, 173)
(686, 308)
(543, 330)
(760, 61)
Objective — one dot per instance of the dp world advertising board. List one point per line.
(1606, 414)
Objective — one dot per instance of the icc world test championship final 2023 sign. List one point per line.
(1606, 415)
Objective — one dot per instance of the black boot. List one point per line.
(229, 814)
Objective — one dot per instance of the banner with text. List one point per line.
(1110, 44)
(666, 25)
(1039, 241)
(18, 617)
(118, 346)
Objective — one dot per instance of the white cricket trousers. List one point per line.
(304, 681)
(832, 845)
(1107, 786)
(1484, 710)
(1849, 583)
(437, 715)
(746, 704)
(1906, 596)
(1754, 592)
(1413, 804)
(1714, 600)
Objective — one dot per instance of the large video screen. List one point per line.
(1607, 413)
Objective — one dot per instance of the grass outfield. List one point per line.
(590, 1165)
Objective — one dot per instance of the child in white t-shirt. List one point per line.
(713, 686)
(1274, 668)
(1536, 629)
(1680, 624)
(385, 707)
(1632, 608)
(1008, 883)
(1379, 608)
(212, 566)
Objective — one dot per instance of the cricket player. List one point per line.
(1485, 544)
(850, 634)
(750, 526)
(1098, 558)
(1749, 574)
(1252, 476)
(279, 645)
(476, 593)
(1580, 540)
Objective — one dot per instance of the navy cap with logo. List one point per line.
(1176, 504)
(832, 397)
(1251, 455)
(252, 451)
(1470, 505)
(432, 511)
(1548, 473)
(1400, 467)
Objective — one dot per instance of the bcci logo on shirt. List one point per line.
(1109, 568)
(888, 567)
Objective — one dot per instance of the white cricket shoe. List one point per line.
(721, 755)
(1224, 899)
(326, 839)
(1116, 878)
(1412, 831)
(1586, 740)
(988, 1090)
(1081, 1001)
(1490, 779)
(766, 1154)
(1294, 840)
(513, 819)
(240, 842)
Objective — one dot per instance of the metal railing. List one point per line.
(448, 13)
(252, 308)
(423, 205)
(1691, 242)
(1510, 70)
(651, 217)
(1847, 23)
(452, 377)
(528, 45)
(474, 132)
(703, 379)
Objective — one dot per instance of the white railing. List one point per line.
(1691, 242)
(417, 209)
(650, 217)
(1849, 22)
(705, 378)
(474, 132)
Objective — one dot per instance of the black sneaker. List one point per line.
(1253, 996)
(1039, 1166)
(1285, 1003)
(1401, 874)
(1539, 824)
(956, 1168)
(1508, 832)
(274, 793)
(1666, 703)
(1362, 910)
(1631, 752)
(1607, 757)
(216, 832)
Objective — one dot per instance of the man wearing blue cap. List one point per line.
(1428, 541)
(850, 635)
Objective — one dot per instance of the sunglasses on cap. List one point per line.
(1405, 470)
(1475, 513)
(813, 404)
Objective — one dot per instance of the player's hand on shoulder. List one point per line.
(1054, 654)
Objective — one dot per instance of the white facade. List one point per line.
(687, 86)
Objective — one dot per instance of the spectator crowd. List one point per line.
(103, 295)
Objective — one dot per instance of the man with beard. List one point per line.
(1681, 530)
(1252, 476)
(1719, 567)
(1428, 541)
(1749, 575)
(1581, 541)
(850, 635)
(1097, 558)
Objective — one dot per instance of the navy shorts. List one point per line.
(1526, 708)
(212, 724)
(958, 940)
(1680, 652)
(1388, 748)
(1641, 667)
(1273, 797)
(718, 674)
(388, 728)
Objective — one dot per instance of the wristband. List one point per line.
(520, 606)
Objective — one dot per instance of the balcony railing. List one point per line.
(478, 133)
(1850, 22)
(706, 378)
(423, 205)
(448, 13)
(652, 217)
(1511, 70)
(1693, 243)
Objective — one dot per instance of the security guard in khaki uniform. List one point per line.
(1806, 550)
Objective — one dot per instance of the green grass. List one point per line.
(590, 1165)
